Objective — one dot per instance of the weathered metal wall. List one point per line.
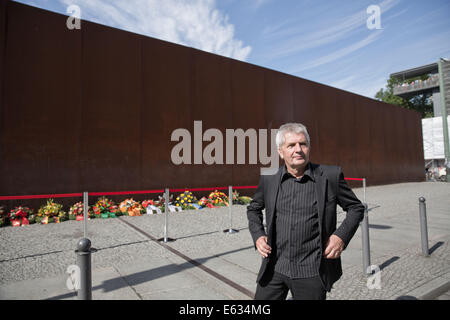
(94, 109)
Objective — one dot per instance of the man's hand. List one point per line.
(334, 247)
(263, 248)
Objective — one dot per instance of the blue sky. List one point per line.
(323, 41)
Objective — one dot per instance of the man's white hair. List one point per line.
(290, 127)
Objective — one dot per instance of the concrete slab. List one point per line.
(107, 284)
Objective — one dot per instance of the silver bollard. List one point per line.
(166, 213)
(85, 211)
(83, 252)
(165, 238)
(423, 226)
(365, 241)
(230, 210)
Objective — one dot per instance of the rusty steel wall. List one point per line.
(94, 109)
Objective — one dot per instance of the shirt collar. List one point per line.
(308, 172)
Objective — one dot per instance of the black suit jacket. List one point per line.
(331, 190)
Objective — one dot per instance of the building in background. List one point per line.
(408, 89)
(435, 130)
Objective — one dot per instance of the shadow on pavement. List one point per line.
(437, 245)
(388, 262)
(148, 275)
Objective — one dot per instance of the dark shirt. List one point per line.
(297, 227)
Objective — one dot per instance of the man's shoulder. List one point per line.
(327, 169)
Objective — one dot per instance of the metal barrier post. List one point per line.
(166, 239)
(166, 213)
(230, 209)
(364, 190)
(365, 241)
(83, 252)
(423, 226)
(85, 212)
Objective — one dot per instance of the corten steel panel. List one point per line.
(39, 129)
(167, 105)
(304, 111)
(392, 134)
(112, 102)
(248, 113)
(2, 51)
(278, 99)
(362, 139)
(325, 148)
(345, 136)
(212, 105)
(94, 110)
(414, 142)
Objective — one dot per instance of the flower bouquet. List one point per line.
(19, 216)
(205, 202)
(240, 199)
(244, 200)
(153, 206)
(3, 217)
(186, 201)
(131, 207)
(218, 198)
(76, 212)
(105, 208)
(51, 212)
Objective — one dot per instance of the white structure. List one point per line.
(433, 141)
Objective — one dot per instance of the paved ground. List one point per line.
(206, 264)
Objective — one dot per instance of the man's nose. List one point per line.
(297, 148)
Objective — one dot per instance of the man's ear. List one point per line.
(280, 153)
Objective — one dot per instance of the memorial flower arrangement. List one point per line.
(105, 208)
(51, 212)
(76, 212)
(131, 207)
(154, 203)
(147, 203)
(205, 202)
(3, 217)
(240, 199)
(186, 200)
(218, 198)
(19, 216)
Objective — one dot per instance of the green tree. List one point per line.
(421, 103)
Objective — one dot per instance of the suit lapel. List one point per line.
(274, 187)
(321, 187)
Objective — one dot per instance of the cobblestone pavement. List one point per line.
(44, 251)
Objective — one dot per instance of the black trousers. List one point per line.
(302, 289)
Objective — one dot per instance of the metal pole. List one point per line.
(365, 241)
(85, 212)
(166, 211)
(230, 210)
(166, 239)
(364, 190)
(84, 263)
(423, 226)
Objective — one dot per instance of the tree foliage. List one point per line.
(421, 102)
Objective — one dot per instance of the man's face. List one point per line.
(295, 150)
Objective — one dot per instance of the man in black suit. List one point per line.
(301, 248)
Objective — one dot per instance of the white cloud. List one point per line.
(300, 38)
(339, 53)
(193, 23)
